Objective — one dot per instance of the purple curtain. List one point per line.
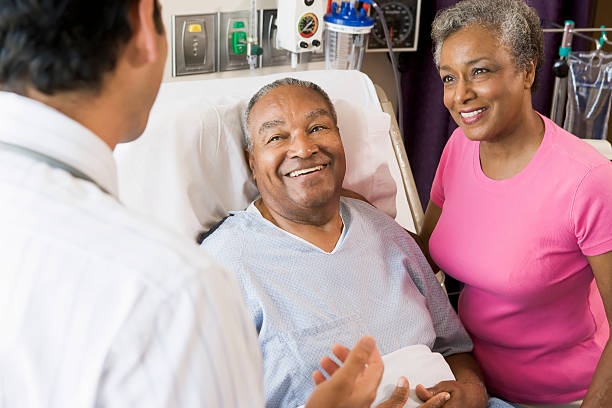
(428, 124)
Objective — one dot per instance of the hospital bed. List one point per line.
(188, 169)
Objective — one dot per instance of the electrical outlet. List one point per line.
(233, 33)
(194, 39)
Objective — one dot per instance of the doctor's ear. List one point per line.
(147, 28)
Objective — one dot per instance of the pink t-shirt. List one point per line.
(519, 245)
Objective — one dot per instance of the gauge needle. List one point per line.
(309, 26)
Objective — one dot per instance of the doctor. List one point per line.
(99, 307)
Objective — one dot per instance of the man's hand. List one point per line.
(353, 384)
(462, 394)
(401, 393)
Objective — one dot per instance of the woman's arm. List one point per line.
(600, 391)
(432, 215)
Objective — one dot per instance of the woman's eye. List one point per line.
(480, 71)
(447, 78)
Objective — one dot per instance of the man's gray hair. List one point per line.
(248, 139)
(515, 23)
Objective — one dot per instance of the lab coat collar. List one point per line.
(36, 126)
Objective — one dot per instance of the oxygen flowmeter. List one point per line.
(300, 24)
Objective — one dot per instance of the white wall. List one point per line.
(375, 65)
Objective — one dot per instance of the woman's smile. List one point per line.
(470, 116)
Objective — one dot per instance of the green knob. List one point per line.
(256, 49)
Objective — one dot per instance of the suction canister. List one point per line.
(346, 36)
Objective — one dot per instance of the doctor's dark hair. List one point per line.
(62, 45)
(247, 140)
(513, 22)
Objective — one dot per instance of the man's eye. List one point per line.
(317, 128)
(274, 138)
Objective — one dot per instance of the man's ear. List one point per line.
(143, 47)
(251, 160)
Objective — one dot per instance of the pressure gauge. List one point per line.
(308, 25)
(400, 21)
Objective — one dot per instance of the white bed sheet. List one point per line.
(419, 365)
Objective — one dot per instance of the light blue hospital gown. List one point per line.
(303, 300)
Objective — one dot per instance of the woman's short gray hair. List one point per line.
(248, 140)
(516, 23)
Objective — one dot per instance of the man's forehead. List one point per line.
(274, 105)
(282, 93)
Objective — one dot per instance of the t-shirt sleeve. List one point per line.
(437, 188)
(592, 211)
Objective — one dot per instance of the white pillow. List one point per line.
(188, 169)
(364, 136)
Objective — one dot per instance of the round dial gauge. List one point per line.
(400, 21)
(308, 25)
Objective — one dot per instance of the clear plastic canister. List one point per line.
(345, 46)
(347, 29)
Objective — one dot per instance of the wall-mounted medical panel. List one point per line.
(233, 33)
(194, 40)
(402, 17)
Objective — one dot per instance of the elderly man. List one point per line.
(99, 307)
(316, 267)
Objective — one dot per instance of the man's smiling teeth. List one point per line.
(305, 171)
(472, 113)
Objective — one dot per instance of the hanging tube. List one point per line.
(557, 111)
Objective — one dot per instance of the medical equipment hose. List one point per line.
(396, 75)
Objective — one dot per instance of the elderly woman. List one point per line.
(521, 212)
